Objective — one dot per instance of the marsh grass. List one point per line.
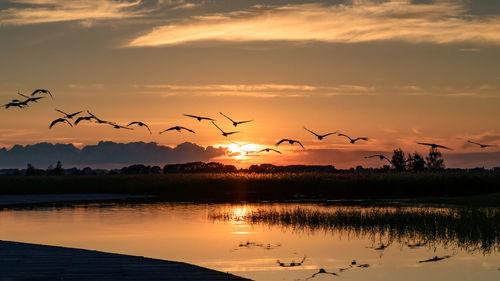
(237, 187)
(471, 229)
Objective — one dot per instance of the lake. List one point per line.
(248, 240)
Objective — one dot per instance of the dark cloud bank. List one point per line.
(105, 154)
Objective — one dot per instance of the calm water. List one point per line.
(190, 234)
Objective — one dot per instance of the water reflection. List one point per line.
(248, 240)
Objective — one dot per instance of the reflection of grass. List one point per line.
(470, 229)
(255, 187)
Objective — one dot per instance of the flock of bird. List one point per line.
(67, 117)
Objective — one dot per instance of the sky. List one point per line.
(397, 71)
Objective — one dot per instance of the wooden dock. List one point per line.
(22, 261)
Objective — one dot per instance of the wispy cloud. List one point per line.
(45, 11)
(255, 90)
(362, 21)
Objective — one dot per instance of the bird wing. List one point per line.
(80, 119)
(365, 139)
(300, 144)
(230, 133)
(192, 116)
(55, 122)
(23, 95)
(218, 127)
(147, 127)
(278, 143)
(69, 123)
(311, 132)
(372, 156)
(344, 135)
(61, 111)
(326, 135)
(188, 130)
(442, 146)
(76, 113)
(206, 118)
(226, 117)
(132, 123)
(474, 142)
(275, 150)
(246, 121)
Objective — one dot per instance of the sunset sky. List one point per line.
(398, 72)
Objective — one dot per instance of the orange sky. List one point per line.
(397, 72)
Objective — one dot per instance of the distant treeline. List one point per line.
(202, 167)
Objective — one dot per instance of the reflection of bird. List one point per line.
(42, 91)
(140, 124)
(292, 264)
(435, 258)
(223, 133)
(86, 118)
(433, 145)
(322, 271)
(382, 157)
(59, 120)
(178, 128)
(482, 145)
(290, 142)
(353, 265)
(268, 150)
(352, 140)
(69, 116)
(235, 123)
(199, 118)
(320, 137)
(416, 245)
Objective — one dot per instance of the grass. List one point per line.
(471, 229)
(236, 187)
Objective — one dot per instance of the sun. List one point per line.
(242, 151)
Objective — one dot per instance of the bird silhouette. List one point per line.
(86, 118)
(433, 145)
(42, 91)
(320, 137)
(29, 99)
(236, 123)
(140, 124)
(199, 118)
(482, 145)
(352, 140)
(13, 104)
(382, 157)
(290, 142)
(58, 121)
(224, 133)
(435, 258)
(267, 150)
(100, 121)
(116, 126)
(178, 128)
(69, 116)
(416, 245)
(416, 160)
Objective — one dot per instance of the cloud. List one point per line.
(256, 90)
(105, 153)
(361, 21)
(45, 11)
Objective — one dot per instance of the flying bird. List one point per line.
(116, 126)
(224, 133)
(433, 145)
(42, 91)
(236, 123)
(290, 142)
(29, 99)
(141, 125)
(58, 121)
(482, 145)
(382, 157)
(178, 128)
(199, 118)
(267, 150)
(86, 118)
(352, 140)
(7, 105)
(100, 121)
(320, 137)
(69, 116)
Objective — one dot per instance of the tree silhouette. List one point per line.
(418, 164)
(435, 160)
(57, 171)
(30, 171)
(398, 160)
